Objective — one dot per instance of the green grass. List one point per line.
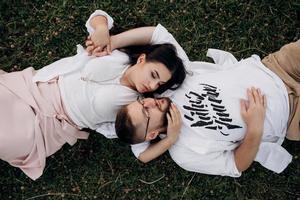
(36, 33)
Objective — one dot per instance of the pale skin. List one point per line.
(252, 112)
(100, 43)
(143, 76)
(155, 109)
(173, 130)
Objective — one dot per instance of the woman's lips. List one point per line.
(145, 89)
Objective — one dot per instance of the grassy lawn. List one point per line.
(36, 33)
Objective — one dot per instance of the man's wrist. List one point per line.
(253, 137)
(171, 140)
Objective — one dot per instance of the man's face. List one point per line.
(155, 109)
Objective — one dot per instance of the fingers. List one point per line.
(88, 43)
(108, 49)
(100, 54)
(90, 49)
(243, 106)
(173, 113)
(169, 119)
(97, 50)
(250, 96)
(264, 101)
(262, 98)
(255, 96)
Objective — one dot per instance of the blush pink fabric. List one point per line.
(33, 123)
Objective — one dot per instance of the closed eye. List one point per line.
(153, 75)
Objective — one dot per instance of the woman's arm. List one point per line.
(253, 113)
(99, 40)
(148, 35)
(136, 36)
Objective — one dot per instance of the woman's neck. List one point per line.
(126, 78)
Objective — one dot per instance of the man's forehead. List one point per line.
(137, 118)
(135, 112)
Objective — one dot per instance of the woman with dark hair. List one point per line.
(44, 109)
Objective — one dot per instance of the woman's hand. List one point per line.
(101, 37)
(96, 51)
(174, 124)
(99, 43)
(253, 111)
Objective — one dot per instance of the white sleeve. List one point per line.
(221, 57)
(63, 66)
(273, 156)
(137, 149)
(161, 35)
(107, 130)
(109, 19)
(215, 163)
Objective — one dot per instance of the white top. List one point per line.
(90, 86)
(212, 128)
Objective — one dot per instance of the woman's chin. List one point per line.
(141, 90)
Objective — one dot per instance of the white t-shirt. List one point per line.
(209, 102)
(90, 86)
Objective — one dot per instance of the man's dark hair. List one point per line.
(163, 53)
(124, 128)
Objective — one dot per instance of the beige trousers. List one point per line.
(286, 64)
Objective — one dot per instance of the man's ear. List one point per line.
(152, 135)
(141, 58)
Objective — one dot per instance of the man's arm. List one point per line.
(173, 130)
(155, 150)
(253, 113)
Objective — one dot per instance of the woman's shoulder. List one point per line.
(105, 68)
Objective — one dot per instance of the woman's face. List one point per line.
(148, 76)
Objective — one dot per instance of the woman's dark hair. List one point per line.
(162, 53)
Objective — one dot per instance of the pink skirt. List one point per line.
(33, 123)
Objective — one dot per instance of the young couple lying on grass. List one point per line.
(223, 116)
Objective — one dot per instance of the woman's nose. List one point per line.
(154, 85)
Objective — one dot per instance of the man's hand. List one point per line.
(253, 110)
(253, 113)
(173, 130)
(174, 124)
